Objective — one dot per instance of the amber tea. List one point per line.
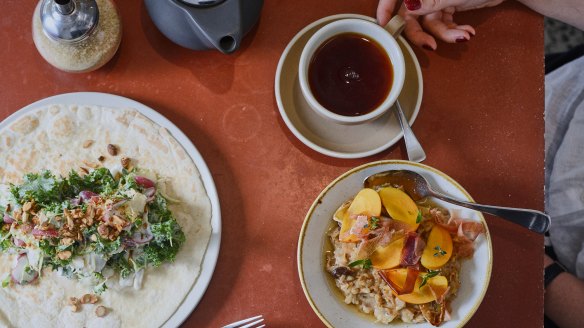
(350, 74)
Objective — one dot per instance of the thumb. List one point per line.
(384, 11)
(423, 7)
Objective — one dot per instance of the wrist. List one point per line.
(547, 260)
(551, 272)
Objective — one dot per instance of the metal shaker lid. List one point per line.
(69, 20)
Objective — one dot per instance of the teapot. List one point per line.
(205, 24)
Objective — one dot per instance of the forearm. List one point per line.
(568, 11)
(563, 300)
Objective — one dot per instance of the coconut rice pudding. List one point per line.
(398, 260)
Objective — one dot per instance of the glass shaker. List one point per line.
(77, 35)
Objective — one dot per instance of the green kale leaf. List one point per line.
(128, 181)
(105, 246)
(121, 265)
(99, 181)
(5, 242)
(159, 211)
(168, 237)
(43, 187)
(157, 254)
(167, 232)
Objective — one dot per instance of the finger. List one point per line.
(448, 19)
(414, 32)
(467, 28)
(384, 11)
(424, 7)
(433, 23)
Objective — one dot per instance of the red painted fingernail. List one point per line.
(427, 47)
(459, 40)
(413, 4)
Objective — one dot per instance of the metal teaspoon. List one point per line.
(413, 146)
(417, 187)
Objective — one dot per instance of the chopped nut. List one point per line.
(87, 222)
(125, 162)
(91, 165)
(87, 143)
(74, 307)
(67, 241)
(77, 213)
(90, 213)
(65, 233)
(73, 301)
(94, 299)
(103, 230)
(36, 221)
(69, 218)
(84, 170)
(25, 217)
(86, 299)
(27, 206)
(64, 255)
(116, 220)
(93, 237)
(112, 149)
(101, 158)
(100, 311)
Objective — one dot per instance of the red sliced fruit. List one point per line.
(87, 195)
(51, 233)
(8, 219)
(144, 182)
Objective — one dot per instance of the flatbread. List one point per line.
(52, 138)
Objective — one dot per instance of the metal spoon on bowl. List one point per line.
(417, 187)
(413, 146)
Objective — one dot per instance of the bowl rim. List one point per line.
(354, 170)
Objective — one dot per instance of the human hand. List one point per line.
(430, 19)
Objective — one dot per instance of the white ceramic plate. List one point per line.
(331, 309)
(327, 137)
(113, 101)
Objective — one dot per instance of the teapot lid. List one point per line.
(69, 20)
(202, 3)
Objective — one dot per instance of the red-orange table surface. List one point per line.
(481, 122)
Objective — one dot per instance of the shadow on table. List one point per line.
(202, 64)
(475, 18)
(314, 155)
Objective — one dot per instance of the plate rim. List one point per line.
(210, 258)
(300, 136)
(354, 170)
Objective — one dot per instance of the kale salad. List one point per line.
(88, 227)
